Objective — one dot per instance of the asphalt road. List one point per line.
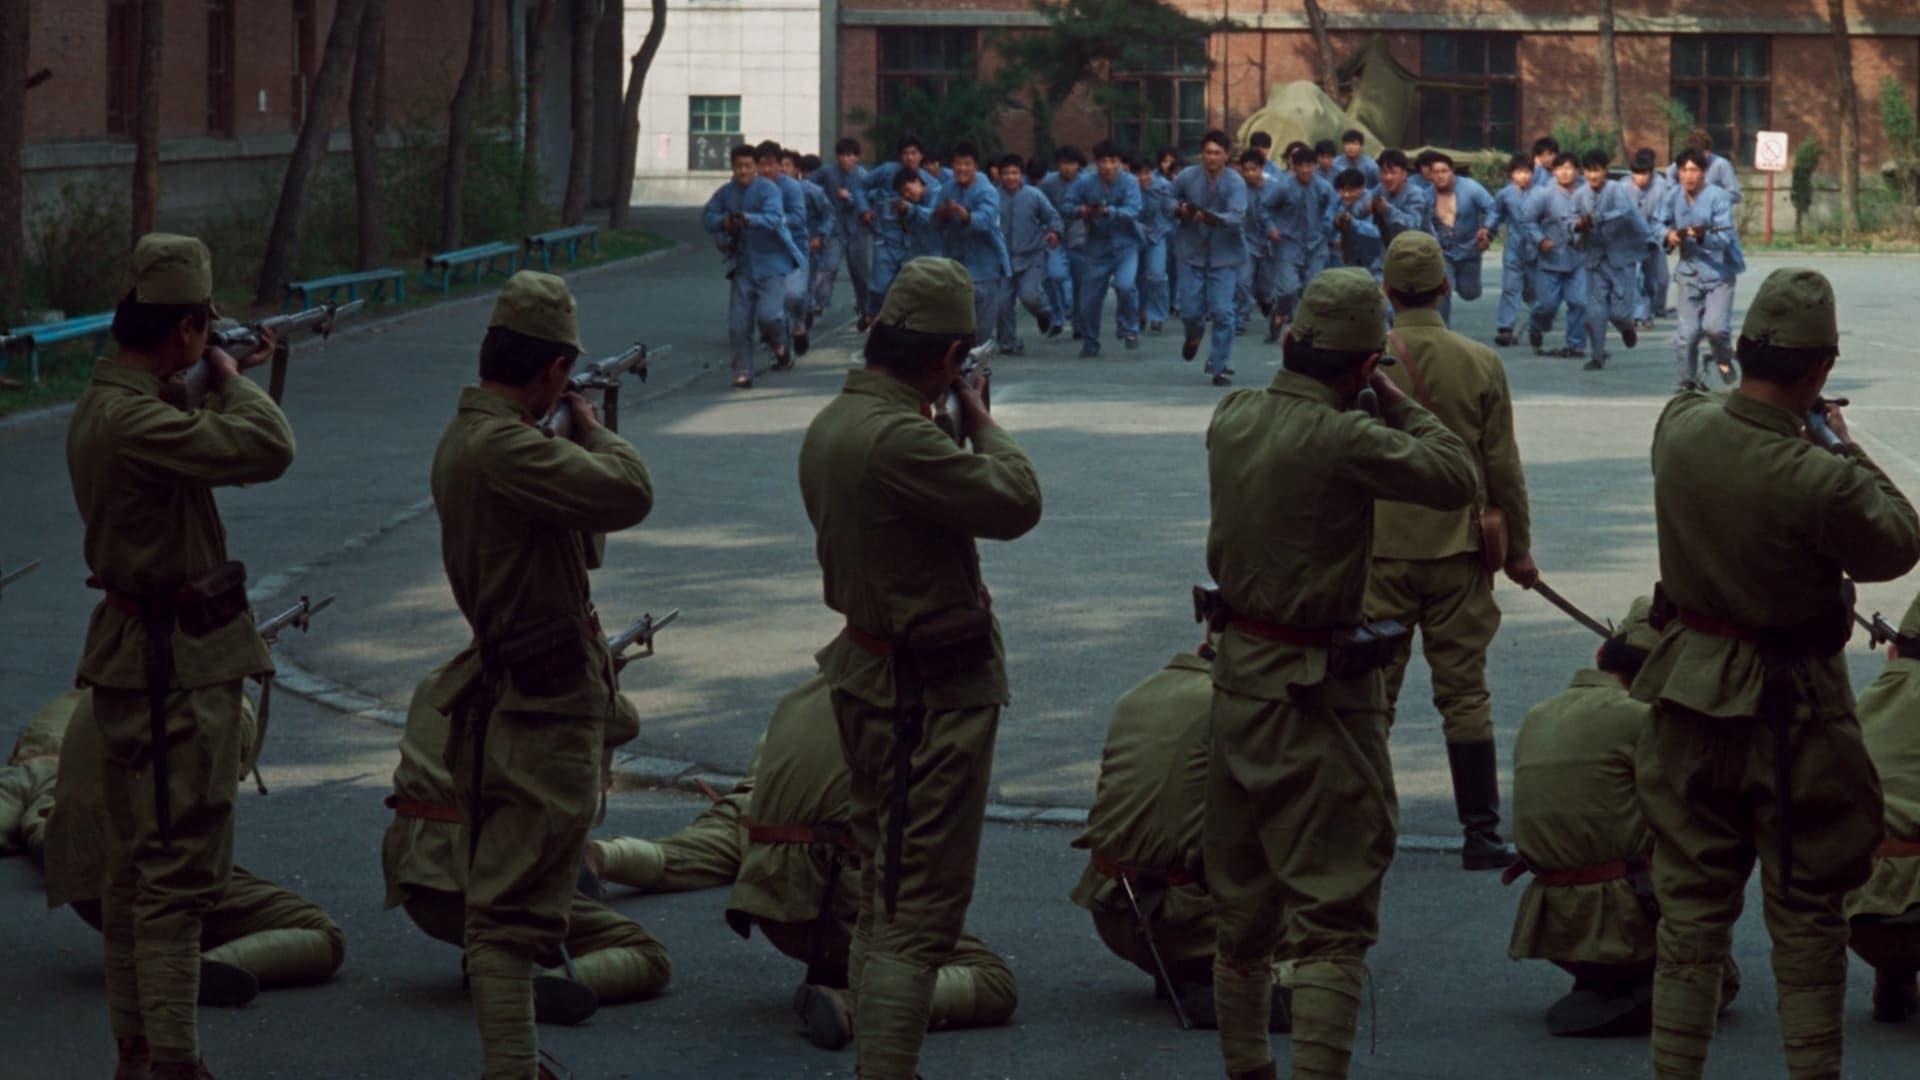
(1092, 601)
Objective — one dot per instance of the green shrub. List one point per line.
(1579, 136)
(77, 252)
(1679, 121)
(1806, 159)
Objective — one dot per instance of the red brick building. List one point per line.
(233, 83)
(1739, 65)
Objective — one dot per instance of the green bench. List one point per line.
(567, 238)
(27, 339)
(326, 289)
(484, 259)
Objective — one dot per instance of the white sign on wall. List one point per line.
(1770, 151)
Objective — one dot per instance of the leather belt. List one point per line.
(878, 646)
(1617, 870)
(1140, 876)
(1285, 635)
(424, 811)
(1897, 849)
(832, 835)
(1708, 624)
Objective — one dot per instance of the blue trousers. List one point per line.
(887, 261)
(1551, 288)
(797, 297)
(1118, 269)
(1706, 310)
(1155, 287)
(1654, 284)
(755, 304)
(1610, 294)
(1513, 289)
(989, 297)
(1259, 280)
(1206, 293)
(1291, 274)
(1463, 275)
(1029, 287)
(1060, 285)
(857, 254)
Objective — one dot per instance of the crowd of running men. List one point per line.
(1211, 243)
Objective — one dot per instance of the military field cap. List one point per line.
(1414, 263)
(1341, 310)
(930, 295)
(1793, 310)
(1910, 622)
(539, 306)
(1636, 630)
(170, 269)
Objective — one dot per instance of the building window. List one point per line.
(303, 71)
(123, 59)
(1164, 103)
(929, 59)
(1722, 79)
(1468, 120)
(220, 67)
(713, 130)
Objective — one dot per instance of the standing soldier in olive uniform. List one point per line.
(918, 675)
(1753, 750)
(424, 862)
(1299, 711)
(1882, 914)
(1429, 568)
(169, 644)
(1576, 819)
(532, 696)
(256, 935)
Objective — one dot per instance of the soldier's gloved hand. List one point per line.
(1521, 570)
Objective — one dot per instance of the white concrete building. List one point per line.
(728, 71)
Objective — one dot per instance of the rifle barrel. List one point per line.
(8, 579)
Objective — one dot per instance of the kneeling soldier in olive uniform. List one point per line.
(1431, 568)
(1885, 912)
(613, 959)
(918, 675)
(1753, 750)
(256, 936)
(1300, 810)
(1576, 818)
(704, 855)
(1143, 874)
(531, 699)
(168, 645)
(27, 780)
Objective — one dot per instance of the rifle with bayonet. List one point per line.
(640, 634)
(604, 375)
(9, 577)
(949, 414)
(298, 617)
(243, 340)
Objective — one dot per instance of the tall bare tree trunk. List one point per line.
(1849, 118)
(309, 150)
(1610, 77)
(460, 125)
(368, 57)
(146, 118)
(536, 90)
(1329, 75)
(623, 166)
(15, 30)
(586, 13)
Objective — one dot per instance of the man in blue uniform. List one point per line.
(793, 207)
(1463, 216)
(746, 217)
(1560, 275)
(1697, 220)
(1615, 236)
(1298, 209)
(1350, 221)
(1648, 189)
(1032, 230)
(969, 219)
(1210, 201)
(1156, 225)
(845, 182)
(1107, 201)
(1065, 263)
(1521, 251)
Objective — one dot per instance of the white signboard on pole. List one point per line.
(1770, 151)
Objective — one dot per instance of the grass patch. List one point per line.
(65, 369)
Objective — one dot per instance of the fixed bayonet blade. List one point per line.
(7, 579)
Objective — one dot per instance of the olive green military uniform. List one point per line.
(1885, 912)
(1428, 572)
(1300, 818)
(1145, 822)
(518, 510)
(424, 861)
(273, 934)
(1713, 782)
(896, 508)
(704, 855)
(143, 476)
(27, 780)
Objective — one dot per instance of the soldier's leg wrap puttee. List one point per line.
(1326, 1010)
(501, 984)
(1242, 1001)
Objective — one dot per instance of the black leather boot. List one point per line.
(1476, 795)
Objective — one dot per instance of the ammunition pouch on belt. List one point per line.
(541, 657)
(199, 606)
